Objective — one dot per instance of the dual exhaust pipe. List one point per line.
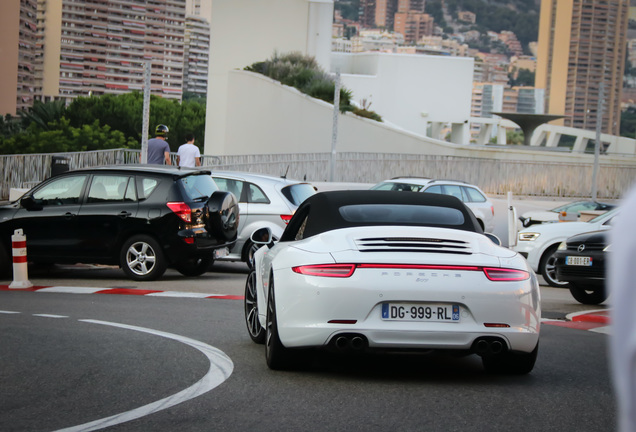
(489, 346)
(353, 342)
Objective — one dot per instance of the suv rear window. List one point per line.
(197, 186)
(297, 193)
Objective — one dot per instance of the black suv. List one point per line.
(143, 218)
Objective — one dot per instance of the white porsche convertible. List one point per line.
(377, 270)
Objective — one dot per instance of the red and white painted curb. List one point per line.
(594, 320)
(124, 291)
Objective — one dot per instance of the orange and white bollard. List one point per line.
(20, 272)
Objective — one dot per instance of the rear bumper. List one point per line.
(312, 312)
(193, 243)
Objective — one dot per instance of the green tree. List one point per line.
(303, 73)
(348, 8)
(125, 113)
(43, 113)
(9, 126)
(525, 77)
(628, 122)
(60, 136)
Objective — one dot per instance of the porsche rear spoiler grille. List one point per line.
(413, 244)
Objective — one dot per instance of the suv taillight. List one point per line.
(182, 210)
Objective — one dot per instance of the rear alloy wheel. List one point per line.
(254, 327)
(547, 268)
(588, 295)
(248, 256)
(278, 357)
(142, 259)
(511, 362)
(195, 266)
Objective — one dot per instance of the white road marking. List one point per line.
(605, 330)
(71, 290)
(9, 312)
(178, 294)
(221, 368)
(49, 316)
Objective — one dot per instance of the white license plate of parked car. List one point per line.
(420, 312)
(220, 253)
(578, 261)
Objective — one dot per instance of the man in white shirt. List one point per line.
(188, 154)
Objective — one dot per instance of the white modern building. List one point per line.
(418, 93)
(267, 27)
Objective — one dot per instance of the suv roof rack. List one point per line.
(417, 177)
(453, 180)
(428, 178)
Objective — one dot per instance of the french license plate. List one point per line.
(220, 253)
(578, 261)
(420, 312)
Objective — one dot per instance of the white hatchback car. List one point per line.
(264, 201)
(539, 243)
(474, 198)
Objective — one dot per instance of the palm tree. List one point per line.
(43, 113)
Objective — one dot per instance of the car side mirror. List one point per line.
(29, 203)
(262, 236)
(493, 238)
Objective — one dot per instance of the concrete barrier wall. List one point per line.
(524, 178)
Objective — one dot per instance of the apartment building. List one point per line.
(490, 97)
(521, 62)
(582, 43)
(18, 21)
(492, 68)
(385, 13)
(413, 25)
(417, 6)
(196, 53)
(436, 45)
(467, 16)
(511, 41)
(94, 47)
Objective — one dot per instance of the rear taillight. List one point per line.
(492, 210)
(327, 270)
(346, 270)
(501, 274)
(182, 210)
(286, 218)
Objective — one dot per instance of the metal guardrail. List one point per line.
(497, 177)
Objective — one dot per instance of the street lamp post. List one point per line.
(146, 114)
(597, 144)
(334, 134)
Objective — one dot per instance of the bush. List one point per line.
(304, 74)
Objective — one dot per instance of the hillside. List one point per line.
(518, 16)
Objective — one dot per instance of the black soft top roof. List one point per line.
(324, 209)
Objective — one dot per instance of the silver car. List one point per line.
(264, 201)
(474, 198)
